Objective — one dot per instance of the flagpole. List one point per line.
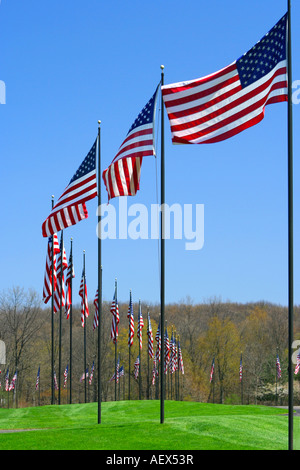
(129, 345)
(60, 312)
(140, 354)
(84, 328)
(71, 320)
(162, 254)
(290, 228)
(148, 364)
(116, 339)
(99, 277)
(52, 317)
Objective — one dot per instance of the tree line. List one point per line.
(221, 331)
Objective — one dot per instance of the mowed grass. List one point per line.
(135, 425)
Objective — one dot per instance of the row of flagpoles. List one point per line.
(62, 298)
(205, 110)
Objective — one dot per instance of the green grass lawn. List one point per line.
(135, 425)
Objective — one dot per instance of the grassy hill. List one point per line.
(135, 425)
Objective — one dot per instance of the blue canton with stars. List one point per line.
(88, 164)
(146, 115)
(264, 56)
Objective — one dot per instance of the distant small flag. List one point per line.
(172, 363)
(96, 316)
(278, 367)
(122, 177)
(212, 370)
(37, 383)
(55, 381)
(84, 299)
(92, 373)
(131, 322)
(7, 380)
(62, 264)
(118, 370)
(180, 359)
(297, 368)
(68, 284)
(154, 371)
(84, 375)
(13, 382)
(114, 310)
(167, 351)
(70, 207)
(158, 340)
(241, 369)
(137, 367)
(66, 372)
(140, 327)
(47, 288)
(150, 337)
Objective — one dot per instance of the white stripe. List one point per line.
(113, 180)
(122, 177)
(227, 114)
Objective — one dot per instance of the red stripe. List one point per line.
(226, 121)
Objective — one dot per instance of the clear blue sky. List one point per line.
(68, 64)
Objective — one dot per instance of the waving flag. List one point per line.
(297, 368)
(96, 316)
(47, 289)
(66, 372)
(122, 177)
(158, 339)
(37, 379)
(212, 370)
(167, 351)
(278, 367)
(70, 207)
(68, 284)
(220, 105)
(241, 369)
(84, 299)
(62, 264)
(114, 310)
(150, 337)
(92, 373)
(180, 359)
(140, 327)
(137, 367)
(13, 382)
(131, 322)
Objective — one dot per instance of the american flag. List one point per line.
(122, 177)
(154, 371)
(13, 382)
(55, 381)
(84, 375)
(92, 373)
(84, 299)
(158, 340)
(66, 372)
(62, 264)
(173, 356)
(7, 380)
(241, 369)
(140, 326)
(70, 207)
(297, 368)
(114, 310)
(131, 322)
(117, 370)
(278, 367)
(68, 284)
(167, 351)
(212, 370)
(216, 107)
(96, 316)
(137, 367)
(37, 379)
(150, 337)
(180, 359)
(47, 288)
